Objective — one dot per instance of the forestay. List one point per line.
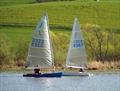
(76, 57)
(40, 50)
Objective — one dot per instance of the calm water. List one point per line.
(98, 82)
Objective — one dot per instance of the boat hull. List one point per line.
(76, 74)
(55, 74)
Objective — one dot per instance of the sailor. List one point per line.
(37, 70)
(81, 70)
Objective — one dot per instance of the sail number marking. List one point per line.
(37, 42)
(77, 43)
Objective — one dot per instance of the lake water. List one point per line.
(99, 82)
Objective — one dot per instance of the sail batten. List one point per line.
(40, 52)
(76, 57)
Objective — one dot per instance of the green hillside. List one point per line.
(100, 23)
(105, 14)
(15, 2)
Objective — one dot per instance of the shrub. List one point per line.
(21, 52)
(5, 51)
(101, 44)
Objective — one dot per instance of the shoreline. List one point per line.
(92, 66)
(24, 70)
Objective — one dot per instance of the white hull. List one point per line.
(76, 74)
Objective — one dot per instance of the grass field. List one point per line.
(18, 20)
(15, 2)
(105, 14)
(17, 34)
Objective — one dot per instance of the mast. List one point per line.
(50, 39)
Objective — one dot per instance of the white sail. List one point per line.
(76, 57)
(40, 50)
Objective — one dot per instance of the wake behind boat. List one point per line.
(40, 54)
(76, 57)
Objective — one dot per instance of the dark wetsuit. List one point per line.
(81, 70)
(36, 71)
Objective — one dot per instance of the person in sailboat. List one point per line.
(37, 70)
(81, 70)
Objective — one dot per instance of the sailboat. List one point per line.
(76, 57)
(40, 51)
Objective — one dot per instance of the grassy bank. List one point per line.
(92, 67)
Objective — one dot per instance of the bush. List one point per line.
(60, 42)
(102, 45)
(5, 51)
(21, 52)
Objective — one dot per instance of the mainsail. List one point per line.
(76, 57)
(40, 50)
